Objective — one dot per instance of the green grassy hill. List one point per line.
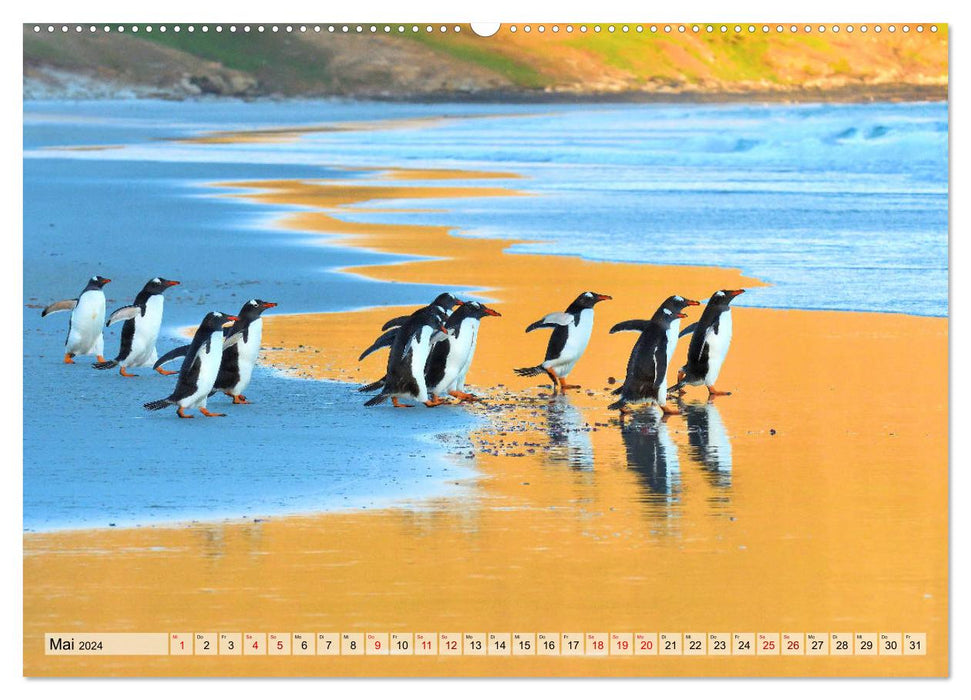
(422, 64)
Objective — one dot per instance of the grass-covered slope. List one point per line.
(415, 64)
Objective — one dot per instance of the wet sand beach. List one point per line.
(813, 499)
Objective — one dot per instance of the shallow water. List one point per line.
(839, 206)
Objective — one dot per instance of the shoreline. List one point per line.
(572, 521)
(848, 94)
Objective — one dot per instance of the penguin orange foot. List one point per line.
(432, 403)
(463, 396)
(398, 404)
(564, 386)
(122, 372)
(209, 414)
(68, 359)
(181, 413)
(237, 398)
(712, 391)
(100, 358)
(165, 372)
(555, 378)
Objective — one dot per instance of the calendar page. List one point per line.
(546, 349)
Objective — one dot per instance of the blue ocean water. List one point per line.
(836, 206)
(840, 206)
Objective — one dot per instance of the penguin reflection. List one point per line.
(708, 441)
(569, 436)
(652, 454)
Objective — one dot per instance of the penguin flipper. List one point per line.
(688, 329)
(65, 305)
(558, 318)
(171, 355)
(633, 325)
(123, 314)
(384, 340)
(395, 322)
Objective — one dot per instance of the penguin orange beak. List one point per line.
(459, 302)
(105, 281)
(490, 312)
(692, 302)
(171, 283)
(603, 297)
(269, 304)
(735, 292)
(443, 329)
(682, 316)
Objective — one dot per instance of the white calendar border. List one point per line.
(518, 11)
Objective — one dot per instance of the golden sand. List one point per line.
(832, 518)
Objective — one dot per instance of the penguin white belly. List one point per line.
(460, 380)
(87, 320)
(459, 356)
(143, 352)
(420, 348)
(208, 371)
(718, 347)
(576, 343)
(453, 365)
(249, 351)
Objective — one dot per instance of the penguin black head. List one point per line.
(446, 301)
(215, 320)
(677, 303)
(97, 282)
(472, 309)
(253, 308)
(587, 300)
(433, 316)
(664, 316)
(724, 297)
(157, 285)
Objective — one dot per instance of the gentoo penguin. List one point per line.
(442, 304)
(200, 368)
(451, 355)
(647, 367)
(712, 335)
(143, 319)
(405, 376)
(84, 330)
(571, 333)
(241, 347)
